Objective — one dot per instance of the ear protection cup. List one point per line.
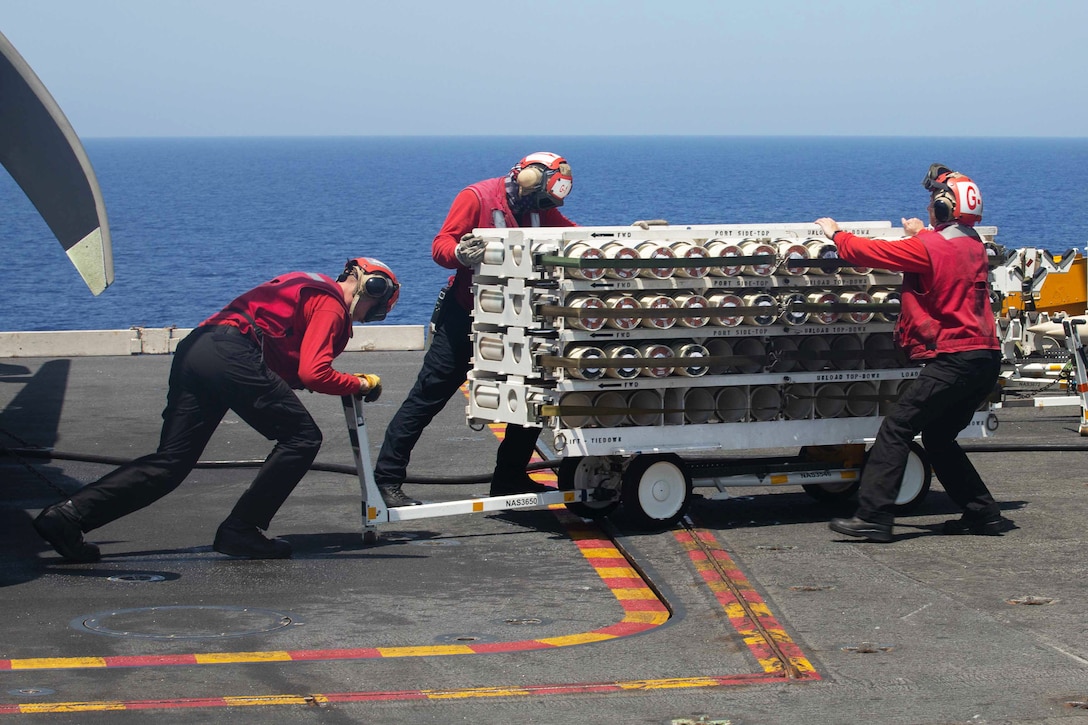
(529, 180)
(377, 286)
(376, 281)
(943, 206)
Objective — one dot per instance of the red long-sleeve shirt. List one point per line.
(322, 318)
(463, 217)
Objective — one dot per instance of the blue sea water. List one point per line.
(197, 221)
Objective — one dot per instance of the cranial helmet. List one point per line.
(954, 195)
(544, 178)
(376, 281)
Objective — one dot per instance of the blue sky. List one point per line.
(559, 67)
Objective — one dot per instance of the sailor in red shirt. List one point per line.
(247, 357)
(528, 196)
(946, 323)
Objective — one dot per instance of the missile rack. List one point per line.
(643, 351)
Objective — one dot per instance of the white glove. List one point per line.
(647, 223)
(470, 250)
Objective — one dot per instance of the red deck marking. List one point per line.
(752, 621)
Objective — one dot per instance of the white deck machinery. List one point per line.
(649, 354)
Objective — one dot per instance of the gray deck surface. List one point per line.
(918, 631)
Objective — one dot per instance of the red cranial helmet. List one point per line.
(543, 177)
(377, 281)
(955, 195)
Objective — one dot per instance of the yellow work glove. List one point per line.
(372, 389)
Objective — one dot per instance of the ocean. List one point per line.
(197, 221)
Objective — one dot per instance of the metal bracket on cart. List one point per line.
(1076, 350)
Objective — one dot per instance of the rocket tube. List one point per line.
(788, 250)
(698, 405)
(621, 301)
(846, 352)
(813, 353)
(823, 298)
(722, 248)
(830, 400)
(754, 353)
(731, 404)
(616, 250)
(655, 250)
(585, 353)
(856, 298)
(691, 350)
(754, 248)
(687, 250)
(861, 399)
(797, 403)
(792, 316)
(887, 297)
(719, 347)
(764, 402)
(610, 399)
(622, 352)
(761, 318)
(648, 400)
(581, 250)
(692, 301)
(652, 350)
(575, 420)
(654, 301)
(725, 299)
(585, 302)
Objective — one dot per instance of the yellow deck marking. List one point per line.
(218, 658)
(447, 649)
(57, 662)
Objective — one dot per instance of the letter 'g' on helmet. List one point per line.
(955, 195)
(544, 177)
(377, 281)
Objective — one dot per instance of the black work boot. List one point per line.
(977, 525)
(237, 538)
(394, 497)
(862, 529)
(507, 485)
(60, 526)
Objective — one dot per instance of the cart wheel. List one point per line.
(656, 490)
(370, 537)
(846, 455)
(917, 478)
(579, 473)
(832, 492)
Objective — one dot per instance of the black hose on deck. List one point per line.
(46, 454)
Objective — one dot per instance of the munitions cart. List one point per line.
(649, 353)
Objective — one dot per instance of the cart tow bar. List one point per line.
(374, 510)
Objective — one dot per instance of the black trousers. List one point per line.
(939, 404)
(215, 369)
(445, 368)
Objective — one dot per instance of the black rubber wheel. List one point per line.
(656, 490)
(917, 479)
(832, 492)
(579, 473)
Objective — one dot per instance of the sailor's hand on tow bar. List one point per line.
(371, 388)
(470, 250)
(647, 223)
